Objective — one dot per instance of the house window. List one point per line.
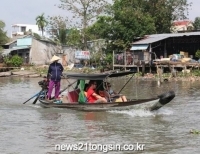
(23, 29)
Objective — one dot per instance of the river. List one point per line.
(31, 129)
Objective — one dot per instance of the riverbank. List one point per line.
(30, 71)
(25, 71)
(40, 71)
(20, 73)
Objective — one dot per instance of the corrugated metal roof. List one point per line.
(157, 37)
(15, 40)
(11, 42)
(6, 51)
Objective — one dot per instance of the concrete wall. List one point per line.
(41, 52)
(69, 53)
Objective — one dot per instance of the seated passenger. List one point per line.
(85, 91)
(113, 93)
(104, 93)
(92, 96)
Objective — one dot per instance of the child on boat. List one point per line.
(112, 93)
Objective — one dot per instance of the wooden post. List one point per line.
(160, 75)
(113, 59)
(150, 57)
(138, 69)
(165, 50)
(185, 68)
(171, 68)
(143, 68)
(159, 72)
(150, 69)
(138, 64)
(125, 59)
(173, 72)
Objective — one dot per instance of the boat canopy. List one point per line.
(96, 76)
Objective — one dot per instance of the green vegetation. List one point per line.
(37, 36)
(1, 50)
(194, 131)
(130, 19)
(41, 70)
(197, 23)
(74, 38)
(196, 72)
(109, 58)
(197, 54)
(84, 13)
(139, 74)
(15, 61)
(58, 29)
(3, 38)
(119, 23)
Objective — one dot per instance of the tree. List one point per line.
(197, 23)
(3, 37)
(102, 28)
(74, 37)
(131, 19)
(59, 31)
(41, 22)
(84, 11)
(127, 22)
(166, 11)
(57, 28)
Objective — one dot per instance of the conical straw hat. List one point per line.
(54, 58)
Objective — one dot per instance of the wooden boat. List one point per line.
(71, 99)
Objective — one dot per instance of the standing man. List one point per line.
(54, 74)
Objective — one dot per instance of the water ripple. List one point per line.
(32, 129)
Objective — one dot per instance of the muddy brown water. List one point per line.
(31, 129)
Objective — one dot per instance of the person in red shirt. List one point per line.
(92, 96)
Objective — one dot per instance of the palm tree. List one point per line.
(41, 22)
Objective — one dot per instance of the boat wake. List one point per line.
(143, 113)
(164, 111)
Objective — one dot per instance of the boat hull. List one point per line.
(147, 104)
